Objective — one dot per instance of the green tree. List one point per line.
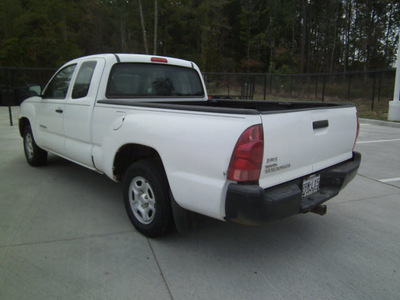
(220, 35)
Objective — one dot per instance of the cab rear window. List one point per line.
(130, 80)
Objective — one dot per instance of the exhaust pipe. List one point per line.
(319, 210)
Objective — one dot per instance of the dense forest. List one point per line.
(284, 36)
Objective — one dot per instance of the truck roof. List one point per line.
(138, 58)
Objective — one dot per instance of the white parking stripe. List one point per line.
(390, 179)
(378, 141)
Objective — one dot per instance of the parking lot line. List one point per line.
(378, 141)
(390, 179)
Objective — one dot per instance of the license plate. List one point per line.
(311, 185)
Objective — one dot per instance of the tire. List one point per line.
(146, 198)
(34, 155)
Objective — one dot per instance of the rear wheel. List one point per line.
(34, 155)
(146, 198)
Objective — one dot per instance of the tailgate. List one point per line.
(302, 142)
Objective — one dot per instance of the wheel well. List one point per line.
(22, 123)
(129, 154)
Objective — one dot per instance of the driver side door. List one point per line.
(50, 113)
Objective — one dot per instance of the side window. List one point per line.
(58, 87)
(83, 79)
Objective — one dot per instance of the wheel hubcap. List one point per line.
(29, 145)
(142, 200)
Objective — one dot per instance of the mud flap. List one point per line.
(184, 220)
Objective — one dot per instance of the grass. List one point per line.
(379, 112)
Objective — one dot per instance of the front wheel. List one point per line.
(146, 198)
(34, 155)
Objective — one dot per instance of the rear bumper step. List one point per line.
(250, 204)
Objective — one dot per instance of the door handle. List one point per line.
(59, 110)
(320, 124)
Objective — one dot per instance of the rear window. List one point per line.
(129, 80)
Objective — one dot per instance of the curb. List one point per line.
(381, 123)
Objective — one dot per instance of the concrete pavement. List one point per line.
(65, 235)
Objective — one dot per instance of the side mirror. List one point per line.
(34, 90)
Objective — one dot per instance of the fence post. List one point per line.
(270, 84)
(242, 90)
(246, 90)
(265, 85)
(373, 93)
(348, 87)
(379, 85)
(291, 86)
(229, 83)
(8, 89)
(10, 115)
(253, 87)
(323, 87)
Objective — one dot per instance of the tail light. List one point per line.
(247, 157)
(159, 59)
(358, 131)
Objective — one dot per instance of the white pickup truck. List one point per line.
(147, 121)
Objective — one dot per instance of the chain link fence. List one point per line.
(369, 89)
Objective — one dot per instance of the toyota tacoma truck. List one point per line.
(148, 122)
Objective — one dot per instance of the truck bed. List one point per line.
(231, 106)
(302, 137)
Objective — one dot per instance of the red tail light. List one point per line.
(246, 161)
(358, 131)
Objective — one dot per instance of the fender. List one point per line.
(28, 111)
(197, 182)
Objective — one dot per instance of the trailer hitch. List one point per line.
(319, 210)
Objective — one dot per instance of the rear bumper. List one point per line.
(250, 204)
